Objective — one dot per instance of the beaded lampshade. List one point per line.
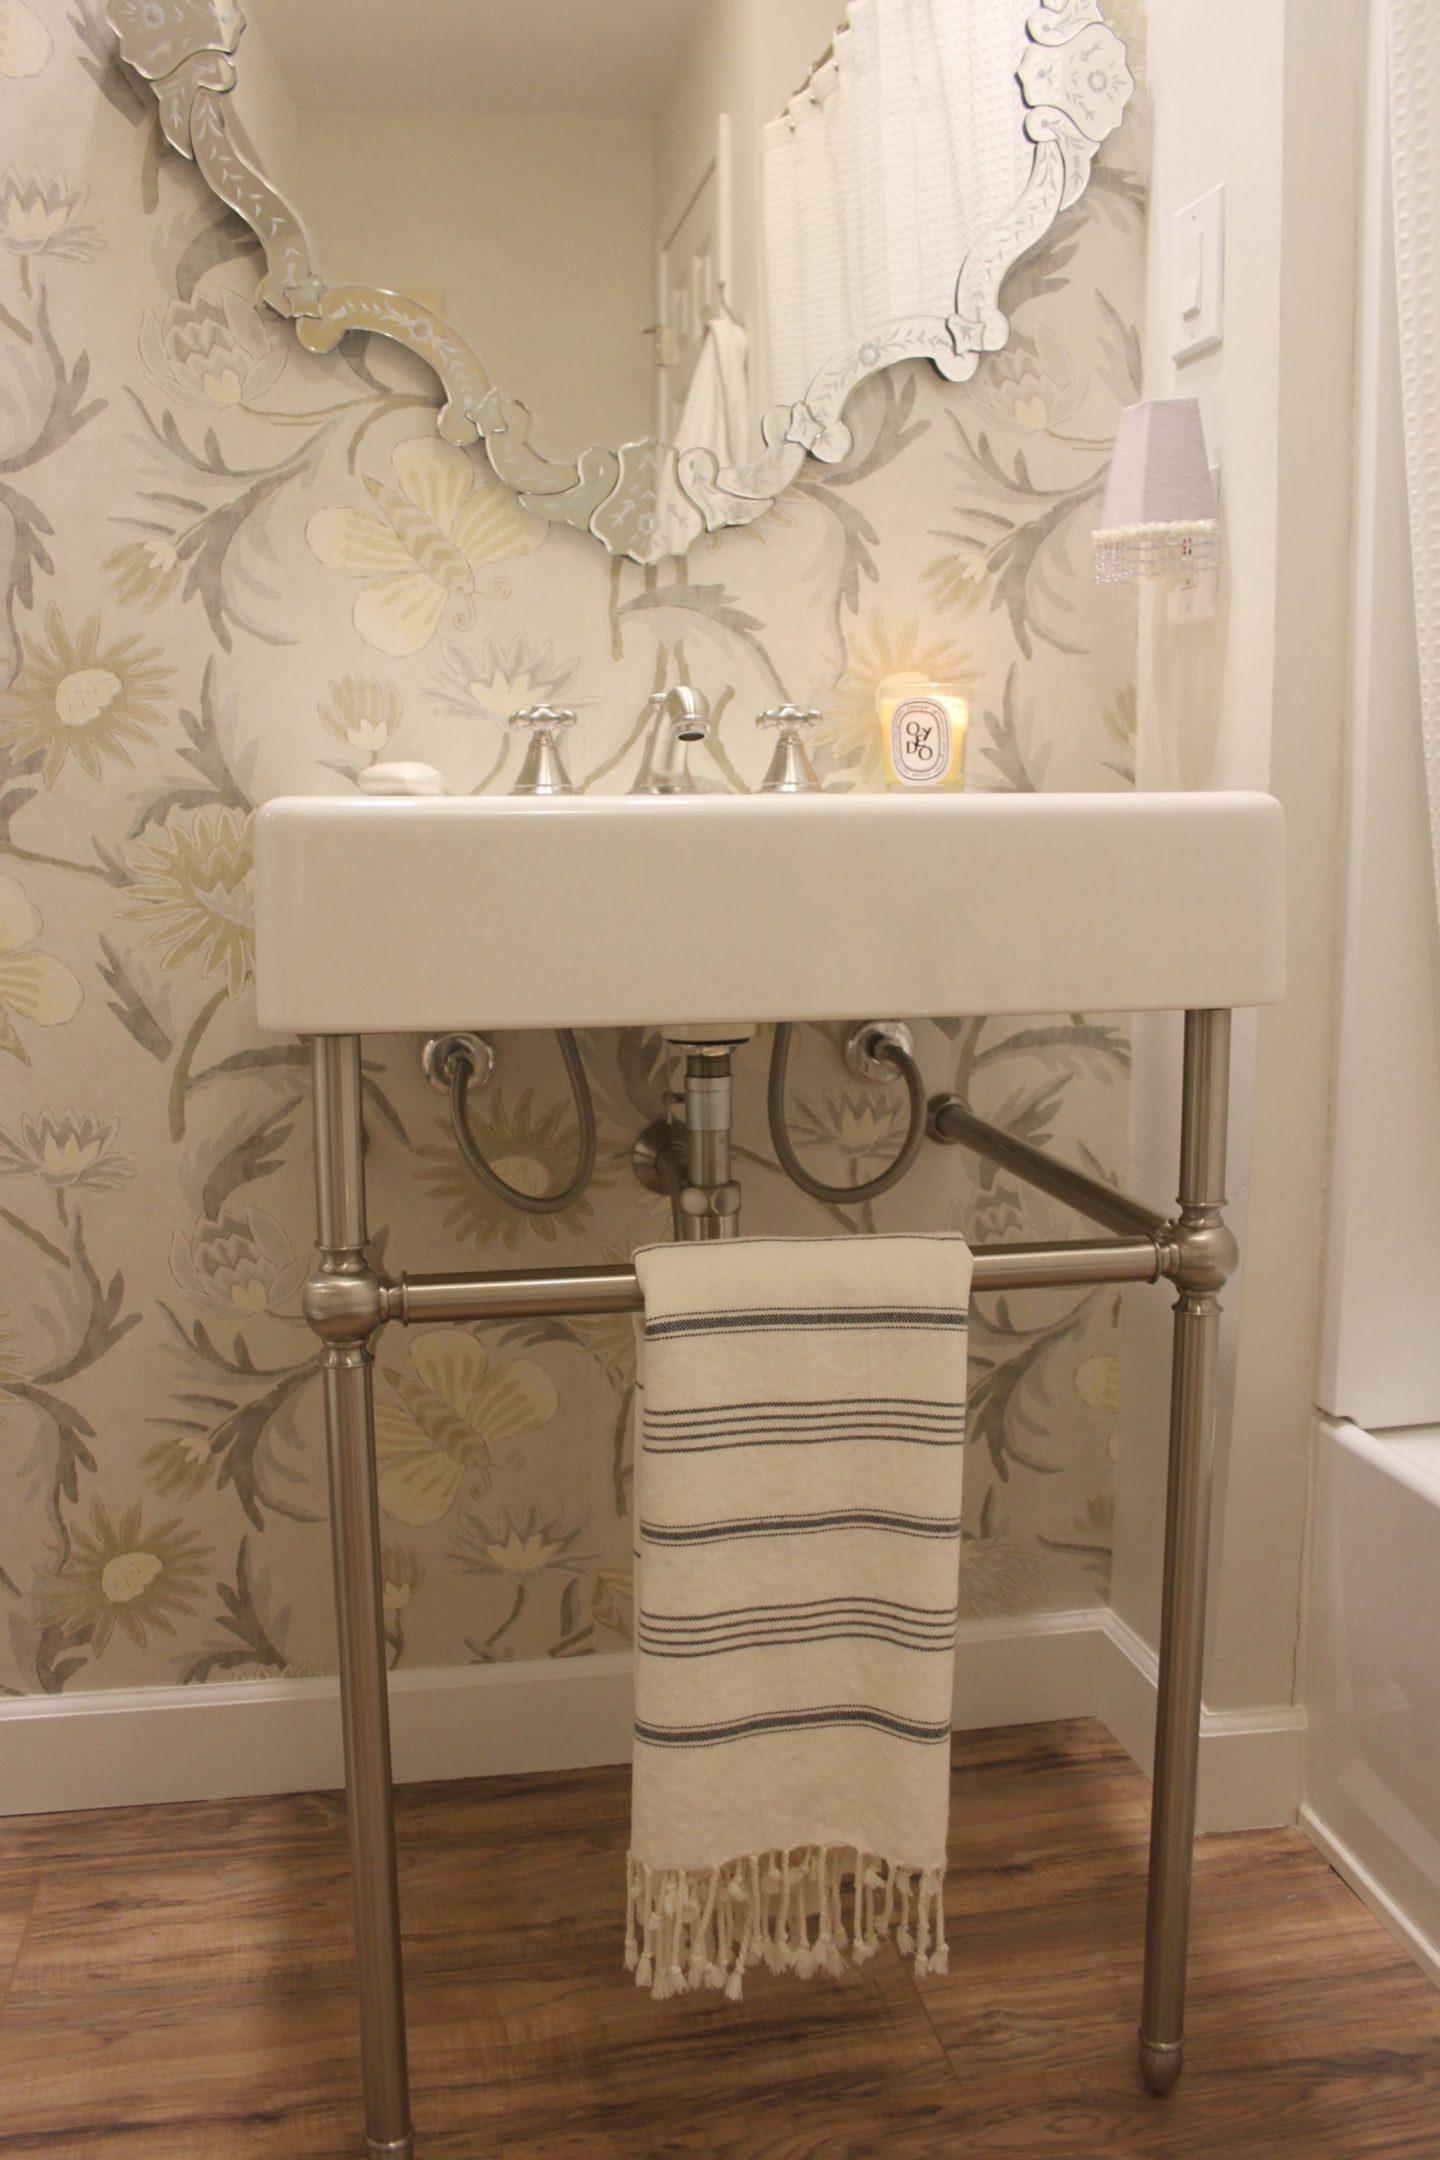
(1159, 518)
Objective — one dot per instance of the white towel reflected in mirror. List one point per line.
(716, 413)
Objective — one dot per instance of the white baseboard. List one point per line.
(1027, 1670)
(134, 1746)
(1251, 1761)
(140, 1745)
(1372, 1893)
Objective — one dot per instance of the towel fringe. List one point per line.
(688, 1928)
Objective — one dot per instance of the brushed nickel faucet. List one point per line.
(543, 770)
(681, 717)
(791, 772)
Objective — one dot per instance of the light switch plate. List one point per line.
(1197, 276)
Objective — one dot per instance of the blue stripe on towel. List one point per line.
(920, 1730)
(714, 1533)
(766, 1319)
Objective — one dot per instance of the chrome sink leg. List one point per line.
(1203, 1257)
(345, 1323)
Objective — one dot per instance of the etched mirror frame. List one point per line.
(643, 499)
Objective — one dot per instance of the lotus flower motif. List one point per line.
(65, 1151)
(239, 1264)
(42, 217)
(213, 351)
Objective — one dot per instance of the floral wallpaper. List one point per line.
(230, 569)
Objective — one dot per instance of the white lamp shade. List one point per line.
(1159, 514)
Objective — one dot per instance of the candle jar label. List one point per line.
(920, 741)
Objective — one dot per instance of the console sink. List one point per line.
(409, 914)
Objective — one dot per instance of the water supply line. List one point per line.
(690, 1162)
(453, 1062)
(876, 1049)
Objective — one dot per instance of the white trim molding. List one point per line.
(1372, 1892)
(137, 1746)
(1252, 1762)
(228, 1740)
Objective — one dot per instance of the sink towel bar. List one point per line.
(346, 1301)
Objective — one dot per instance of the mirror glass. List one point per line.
(657, 218)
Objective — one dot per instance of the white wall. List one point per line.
(270, 114)
(1267, 101)
(540, 230)
(716, 74)
(535, 243)
(747, 58)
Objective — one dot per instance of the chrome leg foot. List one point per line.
(1161, 2062)
(402, 2149)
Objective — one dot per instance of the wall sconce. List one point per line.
(1159, 520)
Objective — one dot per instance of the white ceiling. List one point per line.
(476, 56)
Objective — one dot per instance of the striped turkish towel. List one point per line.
(799, 1437)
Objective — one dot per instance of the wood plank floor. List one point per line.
(175, 1985)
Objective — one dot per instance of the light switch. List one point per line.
(1197, 275)
(1192, 275)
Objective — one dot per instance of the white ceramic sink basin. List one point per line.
(403, 914)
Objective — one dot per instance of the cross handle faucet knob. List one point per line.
(543, 719)
(791, 772)
(788, 718)
(543, 769)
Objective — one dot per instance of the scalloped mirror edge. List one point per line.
(643, 499)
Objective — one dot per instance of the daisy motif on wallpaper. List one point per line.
(454, 1410)
(121, 1575)
(850, 730)
(424, 543)
(195, 883)
(84, 697)
(530, 1149)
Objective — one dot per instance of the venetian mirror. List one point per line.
(648, 246)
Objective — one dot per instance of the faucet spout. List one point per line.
(681, 716)
(687, 711)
